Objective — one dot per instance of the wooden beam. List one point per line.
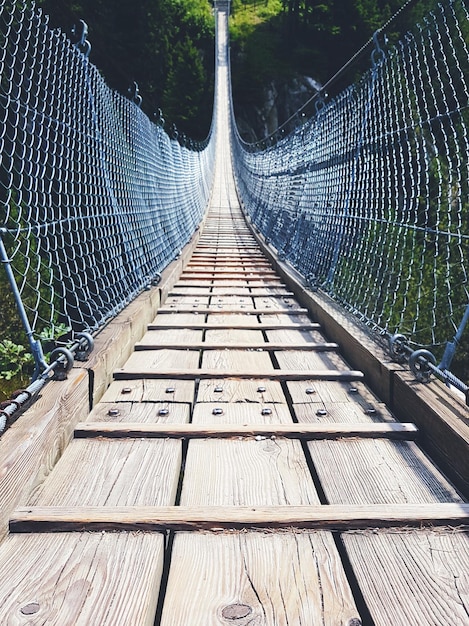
(203, 374)
(292, 431)
(208, 345)
(232, 325)
(216, 308)
(340, 517)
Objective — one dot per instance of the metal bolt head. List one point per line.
(126, 390)
(218, 389)
(217, 411)
(170, 390)
(353, 390)
(113, 412)
(321, 412)
(266, 411)
(261, 389)
(309, 391)
(163, 412)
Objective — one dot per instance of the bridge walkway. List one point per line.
(237, 471)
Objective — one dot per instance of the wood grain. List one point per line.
(188, 374)
(151, 390)
(216, 430)
(117, 472)
(142, 413)
(255, 578)
(110, 579)
(194, 518)
(423, 576)
(238, 391)
(378, 471)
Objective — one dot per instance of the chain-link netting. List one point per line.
(95, 199)
(369, 199)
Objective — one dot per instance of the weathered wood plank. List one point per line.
(151, 390)
(221, 309)
(163, 359)
(255, 578)
(110, 579)
(143, 413)
(342, 412)
(302, 359)
(194, 518)
(238, 391)
(236, 360)
(249, 322)
(152, 343)
(247, 472)
(113, 472)
(293, 431)
(128, 374)
(422, 574)
(378, 471)
(34, 443)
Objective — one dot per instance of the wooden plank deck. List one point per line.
(238, 471)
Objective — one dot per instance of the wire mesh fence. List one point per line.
(95, 199)
(369, 199)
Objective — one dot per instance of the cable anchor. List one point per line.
(79, 34)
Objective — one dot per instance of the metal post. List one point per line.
(34, 344)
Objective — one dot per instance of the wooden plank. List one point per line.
(164, 359)
(151, 390)
(241, 413)
(302, 359)
(416, 577)
(229, 336)
(148, 343)
(358, 471)
(108, 473)
(244, 321)
(329, 392)
(235, 284)
(342, 412)
(247, 472)
(146, 412)
(239, 392)
(255, 578)
(128, 374)
(241, 309)
(294, 336)
(80, 579)
(292, 431)
(247, 360)
(194, 518)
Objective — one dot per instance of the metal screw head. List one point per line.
(126, 390)
(113, 412)
(353, 390)
(261, 389)
(310, 391)
(321, 412)
(217, 411)
(218, 389)
(163, 412)
(170, 390)
(266, 411)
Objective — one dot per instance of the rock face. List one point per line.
(279, 102)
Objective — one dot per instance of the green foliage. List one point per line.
(146, 42)
(13, 359)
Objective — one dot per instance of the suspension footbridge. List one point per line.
(220, 458)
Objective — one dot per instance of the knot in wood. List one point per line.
(236, 611)
(30, 609)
